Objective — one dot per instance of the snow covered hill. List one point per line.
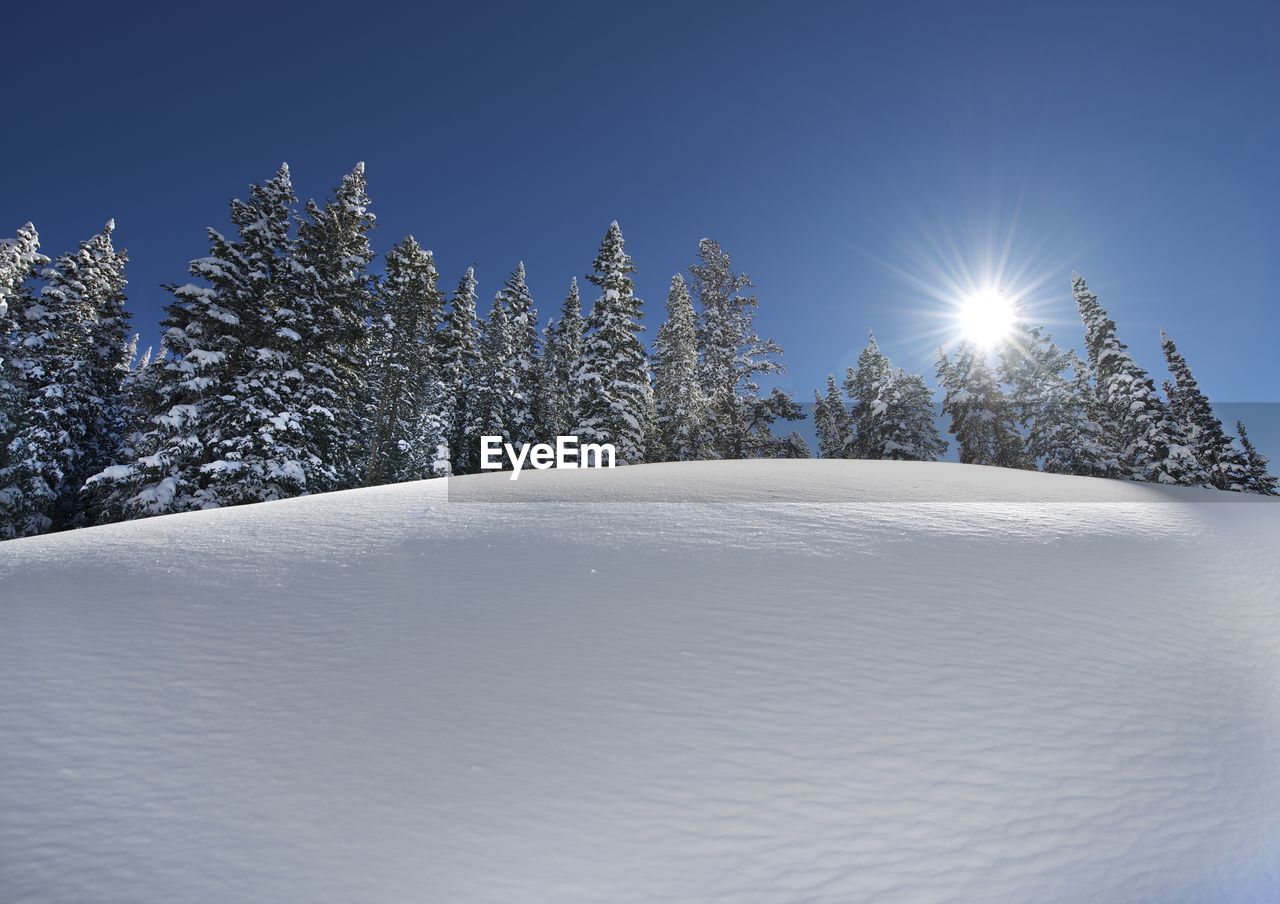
(1069, 694)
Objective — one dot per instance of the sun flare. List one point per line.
(986, 318)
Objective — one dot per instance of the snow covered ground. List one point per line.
(817, 695)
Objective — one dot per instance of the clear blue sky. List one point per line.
(849, 155)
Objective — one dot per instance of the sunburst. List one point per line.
(987, 318)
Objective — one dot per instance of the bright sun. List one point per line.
(986, 318)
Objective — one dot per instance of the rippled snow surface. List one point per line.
(385, 696)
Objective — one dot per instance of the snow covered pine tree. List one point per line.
(1054, 409)
(406, 388)
(982, 419)
(679, 407)
(613, 378)
(1134, 420)
(460, 359)
(70, 383)
(524, 362)
(1259, 478)
(560, 362)
(1190, 407)
(107, 359)
(20, 262)
(226, 425)
(492, 386)
(733, 357)
(256, 438)
(892, 410)
(336, 292)
(833, 422)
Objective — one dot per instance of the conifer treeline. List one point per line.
(1042, 407)
(287, 367)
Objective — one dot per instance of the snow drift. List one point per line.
(382, 695)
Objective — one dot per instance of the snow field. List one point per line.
(382, 695)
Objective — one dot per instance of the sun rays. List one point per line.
(976, 277)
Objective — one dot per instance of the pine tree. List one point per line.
(428, 444)
(560, 367)
(906, 428)
(892, 410)
(259, 444)
(832, 422)
(72, 356)
(494, 381)
(1190, 407)
(1258, 479)
(460, 359)
(407, 427)
(226, 424)
(1134, 420)
(793, 445)
(1049, 395)
(522, 326)
(613, 377)
(733, 357)
(982, 419)
(865, 384)
(336, 294)
(545, 410)
(165, 475)
(20, 261)
(54, 442)
(106, 356)
(23, 320)
(1101, 454)
(679, 408)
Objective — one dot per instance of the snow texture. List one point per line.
(381, 695)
